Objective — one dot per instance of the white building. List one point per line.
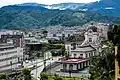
(9, 56)
(80, 53)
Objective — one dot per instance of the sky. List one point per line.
(11, 2)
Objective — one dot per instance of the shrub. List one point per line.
(44, 76)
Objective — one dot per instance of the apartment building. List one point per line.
(10, 55)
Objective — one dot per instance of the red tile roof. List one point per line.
(74, 60)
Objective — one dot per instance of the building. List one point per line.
(74, 64)
(11, 51)
(10, 56)
(33, 50)
(79, 53)
(16, 40)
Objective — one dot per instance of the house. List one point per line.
(74, 64)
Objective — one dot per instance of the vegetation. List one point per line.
(26, 73)
(114, 37)
(57, 49)
(45, 76)
(20, 18)
(102, 67)
(3, 76)
(74, 38)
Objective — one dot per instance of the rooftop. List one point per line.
(74, 60)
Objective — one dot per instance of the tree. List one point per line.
(43, 76)
(114, 37)
(102, 68)
(3, 76)
(26, 73)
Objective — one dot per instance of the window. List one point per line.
(54, 35)
(81, 55)
(86, 55)
(64, 66)
(70, 67)
(74, 55)
(90, 39)
(73, 46)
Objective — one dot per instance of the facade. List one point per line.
(16, 40)
(83, 52)
(74, 64)
(9, 55)
(80, 53)
(11, 51)
(33, 50)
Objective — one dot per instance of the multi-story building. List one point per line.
(11, 51)
(9, 56)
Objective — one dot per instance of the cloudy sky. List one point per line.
(11, 2)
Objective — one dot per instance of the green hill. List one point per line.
(18, 19)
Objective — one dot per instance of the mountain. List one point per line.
(64, 6)
(33, 15)
(27, 19)
(105, 7)
(27, 8)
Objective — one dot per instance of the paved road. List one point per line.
(36, 72)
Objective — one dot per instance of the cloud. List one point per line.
(11, 2)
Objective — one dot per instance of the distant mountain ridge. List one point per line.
(105, 7)
(34, 15)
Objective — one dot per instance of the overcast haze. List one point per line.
(11, 2)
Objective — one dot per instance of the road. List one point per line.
(36, 72)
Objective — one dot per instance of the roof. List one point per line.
(84, 49)
(93, 28)
(74, 60)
